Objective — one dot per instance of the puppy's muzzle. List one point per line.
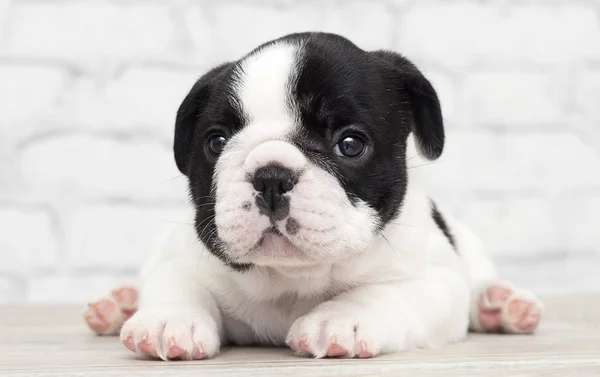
(271, 183)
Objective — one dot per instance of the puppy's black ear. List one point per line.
(189, 111)
(428, 126)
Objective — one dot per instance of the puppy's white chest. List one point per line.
(265, 322)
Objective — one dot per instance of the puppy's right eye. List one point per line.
(216, 143)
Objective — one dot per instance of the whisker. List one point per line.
(205, 204)
(205, 196)
(171, 179)
(212, 233)
(206, 226)
(394, 251)
(410, 226)
(419, 166)
(205, 221)
(415, 156)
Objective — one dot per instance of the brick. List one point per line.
(268, 22)
(458, 33)
(29, 93)
(369, 24)
(511, 99)
(29, 241)
(90, 31)
(85, 166)
(550, 163)
(65, 288)
(117, 235)
(142, 99)
(513, 226)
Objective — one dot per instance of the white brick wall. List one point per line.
(89, 90)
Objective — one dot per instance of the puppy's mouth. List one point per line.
(272, 230)
(274, 244)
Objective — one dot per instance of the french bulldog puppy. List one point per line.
(311, 228)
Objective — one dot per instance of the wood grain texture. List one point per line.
(53, 341)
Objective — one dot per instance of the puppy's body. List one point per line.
(412, 287)
(310, 227)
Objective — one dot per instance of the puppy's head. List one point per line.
(296, 154)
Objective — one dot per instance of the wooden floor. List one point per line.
(47, 340)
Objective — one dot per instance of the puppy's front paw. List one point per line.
(337, 331)
(185, 334)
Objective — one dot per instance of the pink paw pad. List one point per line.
(126, 297)
(363, 352)
(502, 309)
(524, 314)
(305, 347)
(335, 350)
(102, 315)
(175, 352)
(145, 345)
(198, 353)
(128, 342)
(107, 315)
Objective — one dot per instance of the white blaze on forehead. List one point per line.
(275, 151)
(263, 88)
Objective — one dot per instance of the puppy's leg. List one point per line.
(499, 306)
(177, 318)
(106, 315)
(496, 306)
(425, 311)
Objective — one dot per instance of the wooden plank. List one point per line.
(53, 341)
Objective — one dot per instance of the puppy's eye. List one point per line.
(216, 143)
(350, 146)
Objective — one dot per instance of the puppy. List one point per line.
(310, 226)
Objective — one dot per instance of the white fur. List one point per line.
(334, 280)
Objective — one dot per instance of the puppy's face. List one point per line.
(296, 154)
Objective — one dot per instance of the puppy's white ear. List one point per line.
(427, 126)
(189, 111)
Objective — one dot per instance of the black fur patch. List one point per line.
(441, 223)
(292, 226)
(247, 206)
(343, 90)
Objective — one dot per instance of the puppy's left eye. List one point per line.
(216, 143)
(350, 146)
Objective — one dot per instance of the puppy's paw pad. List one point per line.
(127, 340)
(174, 350)
(521, 315)
(335, 350)
(504, 308)
(145, 346)
(171, 334)
(103, 316)
(126, 297)
(363, 352)
(496, 296)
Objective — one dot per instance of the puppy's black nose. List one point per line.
(272, 181)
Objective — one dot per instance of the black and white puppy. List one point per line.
(314, 231)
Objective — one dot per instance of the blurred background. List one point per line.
(89, 91)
